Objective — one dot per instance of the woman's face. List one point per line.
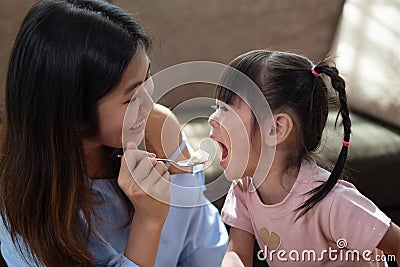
(231, 128)
(131, 97)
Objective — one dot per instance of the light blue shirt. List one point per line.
(192, 236)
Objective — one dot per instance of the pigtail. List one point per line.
(338, 85)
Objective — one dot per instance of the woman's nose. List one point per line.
(147, 102)
(149, 85)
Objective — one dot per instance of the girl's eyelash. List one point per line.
(216, 107)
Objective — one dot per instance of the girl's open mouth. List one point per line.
(224, 157)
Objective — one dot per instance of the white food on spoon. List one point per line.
(200, 156)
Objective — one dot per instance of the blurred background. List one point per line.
(211, 30)
(362, 34)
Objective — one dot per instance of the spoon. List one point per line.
(181, 163)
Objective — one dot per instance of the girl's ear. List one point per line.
(279, 130)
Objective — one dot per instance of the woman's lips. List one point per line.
(138, 127)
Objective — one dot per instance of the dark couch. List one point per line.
(373, 163)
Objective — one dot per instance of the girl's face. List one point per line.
(131, 97)
(231, 128)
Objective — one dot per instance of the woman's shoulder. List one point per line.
(163, 131)
(163, 136)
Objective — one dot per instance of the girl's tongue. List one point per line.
(224, 151)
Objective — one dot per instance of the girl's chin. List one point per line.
(229, 176)
(234, 170)
(232, 174)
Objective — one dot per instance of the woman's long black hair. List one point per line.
(67, 55)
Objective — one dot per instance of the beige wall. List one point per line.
(11, 15)
(217, 30)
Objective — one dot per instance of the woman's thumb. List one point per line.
(131, 145)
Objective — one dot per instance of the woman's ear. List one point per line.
(279, 130)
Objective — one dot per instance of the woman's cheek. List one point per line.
(131, 115)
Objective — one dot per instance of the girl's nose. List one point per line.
(213, 121)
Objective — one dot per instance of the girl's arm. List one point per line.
(240, 249)
(390, 243)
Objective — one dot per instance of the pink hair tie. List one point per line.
(316, 74)
(346, 144)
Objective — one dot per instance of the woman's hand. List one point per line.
(146, 183)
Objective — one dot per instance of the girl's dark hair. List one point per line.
(67, 55)
(287, 83)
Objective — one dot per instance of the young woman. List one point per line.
(76, 68)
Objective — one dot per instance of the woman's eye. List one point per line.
(147, 76)
(133, 99)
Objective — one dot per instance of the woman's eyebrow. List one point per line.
(132, 87)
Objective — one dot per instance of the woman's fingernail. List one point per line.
(152, 155)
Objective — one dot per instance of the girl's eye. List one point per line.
(216, 107)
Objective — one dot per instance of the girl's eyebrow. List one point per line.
(132, 87)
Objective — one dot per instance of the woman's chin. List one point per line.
(136, 138)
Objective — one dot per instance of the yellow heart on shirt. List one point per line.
(271, 240)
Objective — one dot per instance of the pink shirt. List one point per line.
(342, 230)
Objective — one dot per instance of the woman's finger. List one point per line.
(143, 169)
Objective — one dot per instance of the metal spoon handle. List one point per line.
(168, 160)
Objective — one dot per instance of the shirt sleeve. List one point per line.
(104, 254)
(14, 254)
(356, 219)
(18, 255)
(193, 234)
(235, 212)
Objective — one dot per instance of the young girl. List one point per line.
(300, 214)
(66, 198)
